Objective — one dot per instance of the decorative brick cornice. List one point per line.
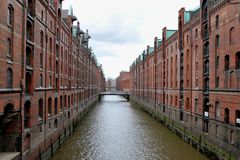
(218, 7)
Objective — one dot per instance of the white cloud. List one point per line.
(122, 29)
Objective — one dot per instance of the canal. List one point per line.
(116, 130)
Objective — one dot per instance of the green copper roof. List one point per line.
(159, 42)
(151, 49)
(195, 9)
(186, 16)
(170, 33)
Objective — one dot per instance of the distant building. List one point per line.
(110, 84)
(123, 82)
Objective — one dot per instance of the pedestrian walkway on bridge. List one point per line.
(115, 92)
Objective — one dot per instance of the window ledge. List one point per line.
(10, 90)
(9, 61)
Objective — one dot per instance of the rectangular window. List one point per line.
(50, 81)
(41, 60)
(41, 80)
(217, 82)
(50, 63)
(217, 62)
(196, 33)
(9, 48)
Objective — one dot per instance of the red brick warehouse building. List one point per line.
(123, 82)
(192, 75)
(49, 76)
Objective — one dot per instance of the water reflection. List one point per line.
(116, 130)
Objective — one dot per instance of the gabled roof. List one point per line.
(151, 49)
(186, 16)
(159, 42)
(169, 33)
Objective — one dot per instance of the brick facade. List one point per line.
(192, 76)
(122, 82)
(49, 75)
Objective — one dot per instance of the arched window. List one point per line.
(217, 21)
(226, 115)
(231, 36)
(226, 62)
(9, 108)
(238, 60)
(237, 114)
(27, 114)
(9, 49)
(55, 106)
(49, 107)
(28, 83)
(9, 78)
(10, 16)
(40, 110)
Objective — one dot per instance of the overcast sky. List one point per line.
(122, 29)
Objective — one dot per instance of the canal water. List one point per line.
(116, 130)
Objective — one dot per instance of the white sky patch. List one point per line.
(122, 29)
